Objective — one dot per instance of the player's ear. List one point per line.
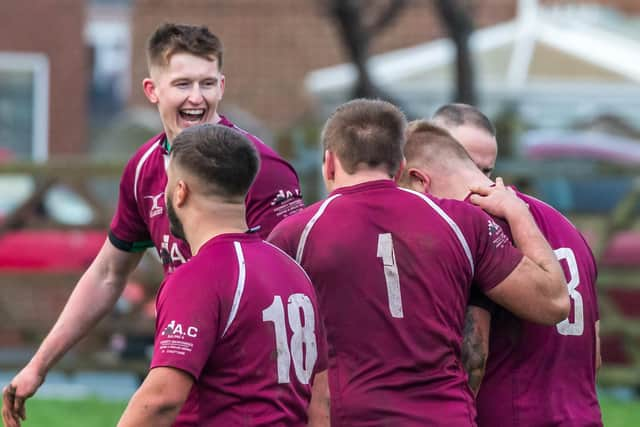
(222, 85)
(180, 194)
(328, 170)
(149, 89)
(418, 180)
(329, 166)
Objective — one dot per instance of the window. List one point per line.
(24, 106)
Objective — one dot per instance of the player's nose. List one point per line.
(195, 95)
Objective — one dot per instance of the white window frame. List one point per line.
(38, 64)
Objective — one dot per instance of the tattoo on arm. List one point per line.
(474, 356)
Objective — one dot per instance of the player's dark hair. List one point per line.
(170, 38)
(463, 114)
(223, 160)
(366, 132)
(429, 144)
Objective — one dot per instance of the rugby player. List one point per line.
(186, 84)
(239, 322)
(535, 375)
(392, 269)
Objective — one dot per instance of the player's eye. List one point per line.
(210, 83)
(182, 84)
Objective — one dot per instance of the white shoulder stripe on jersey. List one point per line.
(307, 228)
(452, 224)
(143, 159)
(242, 274)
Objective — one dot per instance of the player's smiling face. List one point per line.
(187, 92)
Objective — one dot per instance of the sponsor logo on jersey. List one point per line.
(156, 209)
(493, 227)
(499, 238)
(176, 329)
(284, 195)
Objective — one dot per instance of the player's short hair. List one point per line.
(169, 39)
(366, 132)
(224, 161)
(428, 144)
(455, 115)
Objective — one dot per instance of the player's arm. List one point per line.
(158, 400)
(320, 406)
(536, 289)
(475, 344)
(94, 296)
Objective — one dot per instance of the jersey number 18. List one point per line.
(302, 335)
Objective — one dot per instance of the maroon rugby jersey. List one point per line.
(141, 222)
(539, 376)
(392, 270)
(241, 318)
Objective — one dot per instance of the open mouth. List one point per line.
(192, 114)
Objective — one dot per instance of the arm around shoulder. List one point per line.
(528, 293)
(536, 289)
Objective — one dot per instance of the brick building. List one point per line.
(272, 44)
(43, 57)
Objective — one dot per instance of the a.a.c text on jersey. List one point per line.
(241, 317)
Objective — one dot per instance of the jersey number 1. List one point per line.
(391, 277)
(577, 326)
(302, 334)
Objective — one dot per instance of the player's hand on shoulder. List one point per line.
(498, 200)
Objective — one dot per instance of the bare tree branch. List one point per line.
(348, 16)
(459, 27)
(385, 16)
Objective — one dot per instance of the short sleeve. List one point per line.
(496, 257)
(186, 324)
(274, 195)
(128, 231)
(479, 299)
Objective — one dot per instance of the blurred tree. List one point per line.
(358, 22)
(454, 16)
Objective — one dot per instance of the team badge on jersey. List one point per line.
(284, 195)
(156, 209)
(499, 238)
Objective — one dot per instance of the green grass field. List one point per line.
(73, 413)
(97, 413)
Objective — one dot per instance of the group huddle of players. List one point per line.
(417, 293)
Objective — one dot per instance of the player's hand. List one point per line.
(498, 200)
(14, 395)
